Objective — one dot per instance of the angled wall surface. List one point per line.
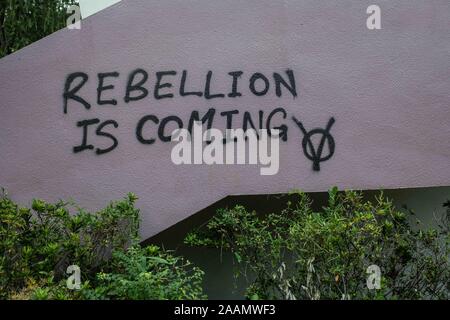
(387, 91)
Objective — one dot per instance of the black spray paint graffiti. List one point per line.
(311, 152)
(138, 87)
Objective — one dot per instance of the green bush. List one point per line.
(149, 273)
(302, 254)
(37, 245)
(43, 241)
(24, 22)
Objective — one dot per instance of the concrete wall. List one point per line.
(387, 91)
(90, 7)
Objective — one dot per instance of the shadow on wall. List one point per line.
(219, 282)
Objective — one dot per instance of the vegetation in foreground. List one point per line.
(37, 246)
(302, 254)
(297, 253)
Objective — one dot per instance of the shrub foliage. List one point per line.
(38, 244)
(302, 254)
(24, 22)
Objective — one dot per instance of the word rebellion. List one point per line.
(166, 84)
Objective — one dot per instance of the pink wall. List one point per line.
(389, 91)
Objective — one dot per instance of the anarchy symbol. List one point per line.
(311, 152)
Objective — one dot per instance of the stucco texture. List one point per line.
(388, 90)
